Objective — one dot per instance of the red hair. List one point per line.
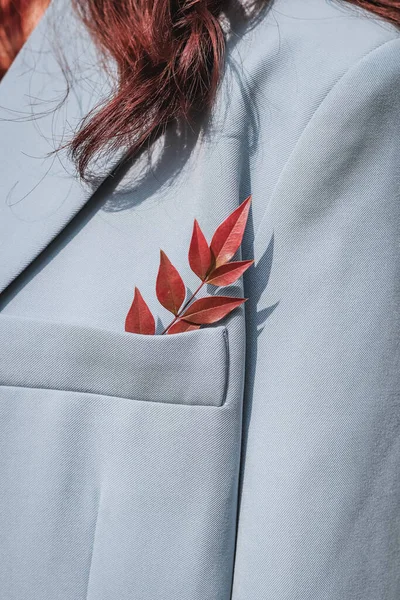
(17, 19)
(169, 55)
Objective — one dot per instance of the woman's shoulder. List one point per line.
(298, 70)
(309, 44)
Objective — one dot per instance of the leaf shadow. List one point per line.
(256, 280)
(159, 326)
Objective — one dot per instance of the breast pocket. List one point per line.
(186, 368)
(119, 462)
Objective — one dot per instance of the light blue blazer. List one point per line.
(254, 459)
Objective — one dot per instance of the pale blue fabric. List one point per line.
(255, 459)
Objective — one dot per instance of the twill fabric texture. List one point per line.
(256, 458)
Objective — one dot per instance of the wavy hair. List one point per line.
(169, 56)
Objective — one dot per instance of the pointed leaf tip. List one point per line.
(170, 289)
(211, 309)
(229, 234)
(139, 318)
(199, 252)
(229, 273)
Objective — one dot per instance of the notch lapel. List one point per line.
(39, 192)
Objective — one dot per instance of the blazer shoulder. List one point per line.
(304, 77)
(348, 152)
(313, 42)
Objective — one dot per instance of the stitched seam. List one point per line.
(309, 122)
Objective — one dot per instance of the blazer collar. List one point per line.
(40, 192)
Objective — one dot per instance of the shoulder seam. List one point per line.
(354, 65)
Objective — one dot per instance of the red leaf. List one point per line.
(199, 252)
(229, 273)
(170, 288)
(139, 318)
(211, 309)
(228, 236)
(181, 326)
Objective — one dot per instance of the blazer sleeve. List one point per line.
(320, 504)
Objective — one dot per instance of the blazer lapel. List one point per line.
(39, 191)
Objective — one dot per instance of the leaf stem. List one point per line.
(184, 306)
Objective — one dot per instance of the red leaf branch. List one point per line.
(212, 264)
